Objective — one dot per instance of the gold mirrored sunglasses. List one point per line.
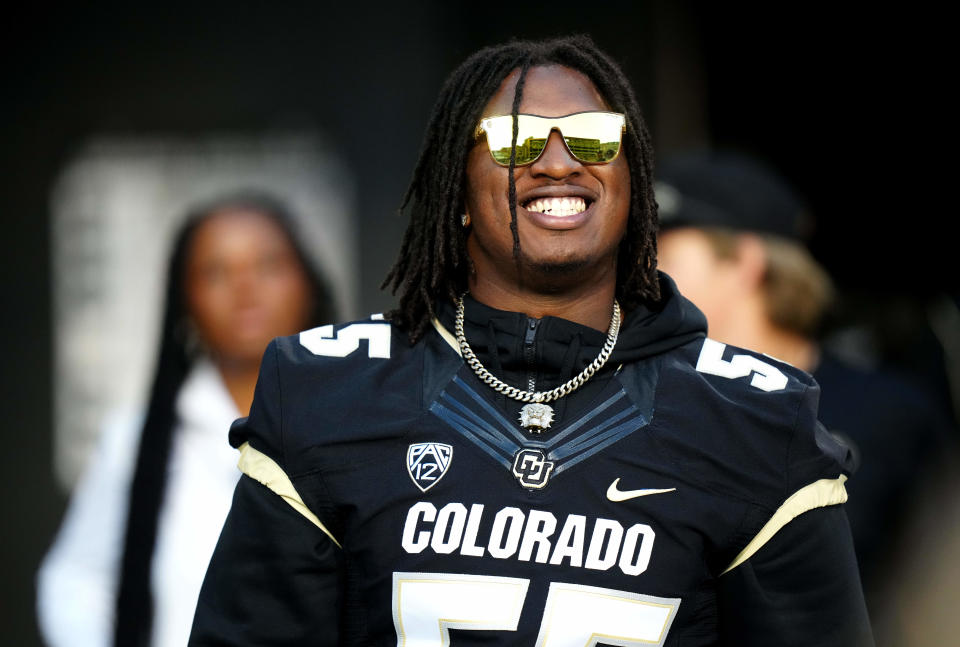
(591, 137)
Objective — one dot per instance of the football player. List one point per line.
(539, 446)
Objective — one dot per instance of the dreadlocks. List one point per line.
(433, 262)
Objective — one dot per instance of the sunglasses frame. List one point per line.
(481, 131)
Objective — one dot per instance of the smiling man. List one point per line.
(539, 446)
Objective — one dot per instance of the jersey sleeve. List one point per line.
(277, 573)
(274, 578)
(813, 452)
(796, 582)
(800, 588)
(815, 468)
(263, 428)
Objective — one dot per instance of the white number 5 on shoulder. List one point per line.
(322, 341)
(766, 377)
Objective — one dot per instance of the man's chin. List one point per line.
(556, 268)
(554, 275)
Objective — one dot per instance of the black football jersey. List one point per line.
(685, 495)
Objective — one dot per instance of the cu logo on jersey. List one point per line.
(427, 463)
(532, 468)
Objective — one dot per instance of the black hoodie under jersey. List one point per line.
(516, 348)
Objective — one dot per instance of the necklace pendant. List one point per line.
(536, 416)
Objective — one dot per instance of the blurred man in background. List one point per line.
(733, 238)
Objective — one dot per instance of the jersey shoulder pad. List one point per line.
(313, 368)
(744, 370)
(342, 385)
(352, 342)
(745, 423)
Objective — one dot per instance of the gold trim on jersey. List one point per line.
(447, 335)
(818, 494)
(264, 470)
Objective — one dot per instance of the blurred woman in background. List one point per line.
(127, 564)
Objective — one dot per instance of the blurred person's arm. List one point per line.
(77, 580)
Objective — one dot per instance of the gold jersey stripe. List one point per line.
(818, 494)
(263, 469)
(447, 336)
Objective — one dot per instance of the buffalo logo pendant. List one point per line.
(536, 416)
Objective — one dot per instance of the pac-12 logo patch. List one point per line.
(427, 463)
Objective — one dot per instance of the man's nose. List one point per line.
(555, 161)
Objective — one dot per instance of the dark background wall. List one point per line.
(828, 98)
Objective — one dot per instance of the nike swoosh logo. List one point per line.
(615, 494)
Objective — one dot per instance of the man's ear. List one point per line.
(751, 259)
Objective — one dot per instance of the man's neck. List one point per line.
(791, 348)
(240, 378)
(752, 329)
(590, 306)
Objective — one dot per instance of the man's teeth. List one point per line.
(568, 206)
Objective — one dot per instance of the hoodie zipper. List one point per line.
(529, 352)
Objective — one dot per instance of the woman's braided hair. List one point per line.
(433, 262)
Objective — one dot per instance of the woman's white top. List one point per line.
(78, 579)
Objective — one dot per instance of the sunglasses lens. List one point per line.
(499, 132)
(592, 137)
(592, 151)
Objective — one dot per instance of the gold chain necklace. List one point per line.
(536, 415)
